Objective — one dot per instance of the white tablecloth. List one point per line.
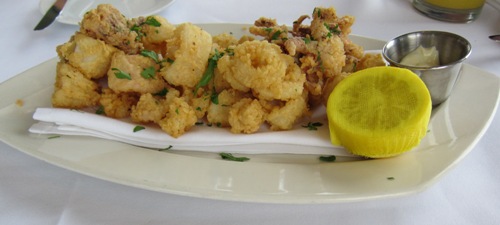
(35, 192)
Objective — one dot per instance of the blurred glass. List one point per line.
(460, 11)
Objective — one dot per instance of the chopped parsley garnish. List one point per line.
(332, 30)
(166, 149)
(150, 54)
(169, 60)
(229, 51)
(267, 29)
(55, 136)
(161, 93)
(151, 21)
(230, 157)
(390, 178)
(312, 125)
(149, 73)
(138, 128)
(307, 40)
(320, 62)
(318, 11)
(121, 75)
(209, 73)
(138, 27)
(214, 97)
(276, 35)
(330, 158)
(199, 123)
(100, 110)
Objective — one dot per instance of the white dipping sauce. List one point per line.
(423, 57)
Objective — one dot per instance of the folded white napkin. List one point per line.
(299, 140)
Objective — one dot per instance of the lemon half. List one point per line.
(379, 112)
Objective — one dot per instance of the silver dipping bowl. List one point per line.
(440, 80)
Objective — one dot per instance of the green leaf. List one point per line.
(121, 75)
(267, 29)
(150, 54)
(162, 92)
(166, 149)
(138, 128)
(152, 22)
(312, 125)
(330, 158)
(209, 72)
(149, 73)
(100, 110)
(214, 97)
(230, 157)
(276, 35)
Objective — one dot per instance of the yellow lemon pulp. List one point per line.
(379, 112)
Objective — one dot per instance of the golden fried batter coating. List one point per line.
(134, 73)
(331, 56)
(90, 56)
(148, 69)
(189, 49)
(149, 109)
(107, 23)
(153, 32)
(370, 60)
(72, 89)
(224, 40)
(261, 67)
(219, 113)
(117, 105)
(179, 118)
(269, 29)
(246, 116)
(283, 118)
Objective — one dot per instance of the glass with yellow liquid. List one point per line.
(460, 11)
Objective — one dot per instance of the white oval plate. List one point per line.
(456, 126)
(74, 10)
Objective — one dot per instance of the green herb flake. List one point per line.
(312, 125)
(162, 92)
(332, 30)
(151, 21)
(209, 73)
(199, 123)
(230, 157)
(138, 128)
(137, 29)
(53, 137)
(307, 40)
(150, 54)
(229, 51)
(149, 73)
(330, 158)
(214, 97)
(276, 35)
(169, 60)
(100, 110)
(120, 74)
(268, 29)
(165, 149)
(390, 178)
